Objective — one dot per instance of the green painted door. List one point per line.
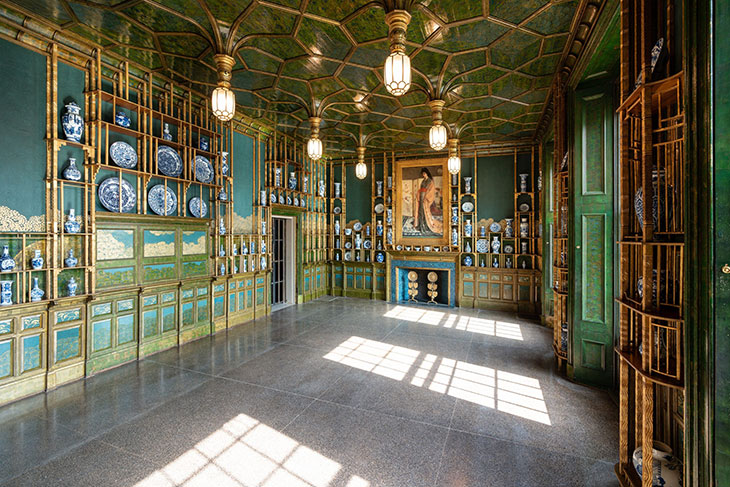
(592, 237)
(721, 146)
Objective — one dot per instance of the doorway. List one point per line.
(283, 277)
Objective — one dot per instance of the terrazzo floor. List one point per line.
(335, 392)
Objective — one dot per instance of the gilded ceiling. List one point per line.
(492, 61)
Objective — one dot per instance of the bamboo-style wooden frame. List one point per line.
(398, 237)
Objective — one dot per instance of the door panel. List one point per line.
(278, 271)
(593, 242)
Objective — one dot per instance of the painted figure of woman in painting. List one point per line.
(425, 200)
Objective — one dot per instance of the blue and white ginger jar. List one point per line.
(666, 468)
(122, 119)
(72, 122)
(71, 261)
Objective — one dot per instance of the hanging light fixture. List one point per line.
(361, 170)
(314, 145)
(437, 136)
(397, 65)
(223, 101)
(454, 162)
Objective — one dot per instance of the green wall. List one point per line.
(358, 195)
(495, 186)
(23, 122)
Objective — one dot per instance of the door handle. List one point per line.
(726, 269)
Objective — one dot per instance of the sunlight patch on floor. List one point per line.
(247, 453)
(514, 394)
(500, 329)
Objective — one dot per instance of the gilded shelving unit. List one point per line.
(651, 301)
(560, 257)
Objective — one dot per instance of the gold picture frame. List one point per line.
(432, 228)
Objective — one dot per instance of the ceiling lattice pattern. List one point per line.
(491, 60)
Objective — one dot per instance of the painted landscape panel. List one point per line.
(159, 243)
(194, 243)
(114, 244)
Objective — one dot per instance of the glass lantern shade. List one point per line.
(454, 164)
(397, 73)
(314, 148)
(223, 103)
(361, 170)
(437, 137)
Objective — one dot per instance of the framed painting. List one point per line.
(422, 191)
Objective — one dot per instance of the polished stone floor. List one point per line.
(336, 392)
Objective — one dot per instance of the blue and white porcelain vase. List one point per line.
(292, 181)
(467, 184)
(666, 468)
(235, 249)
(467, 247)
(253, 266)
(71, 225)
(245, 265)
(496, 244)
(524, 228)
(72, 172)
(379, 228)
(509, 230)
(454, 237)
(263, 228)
(222, 228)
(222, 251)
(71, 261)
(6, 293)
(483, 231)
(454, 215)
(224, 163)
(7, 263)
(337, 189)
(495, 263)
(204, 144)
(523, 183)
(122, 119)
(389, 216)
(253, 247)
(36, 293)
(378, 188)
(389, 236)
(223, 196)
(263, 198)
(467, 228)
(508, 263)
(37, 261)
(244, 249)
(263, 246)
(337, 227)
(305, 184)
(72, 286)
(166, 135)
(321, 188)
(263, 263)
(222, 269)
(72, 122)
(358, 241)
(468, 261)
(277, 177)
(235, 269)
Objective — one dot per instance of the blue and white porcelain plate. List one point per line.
(273, 197)
(367, 245)
(495, 227)
(168, 161)
(379, 208)
(198, 208)
(357, 226)
(483, 245)
(123, 154)
(281, 199)
(110, 195)
(161, 200)
(203, 169)
(467, 207)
